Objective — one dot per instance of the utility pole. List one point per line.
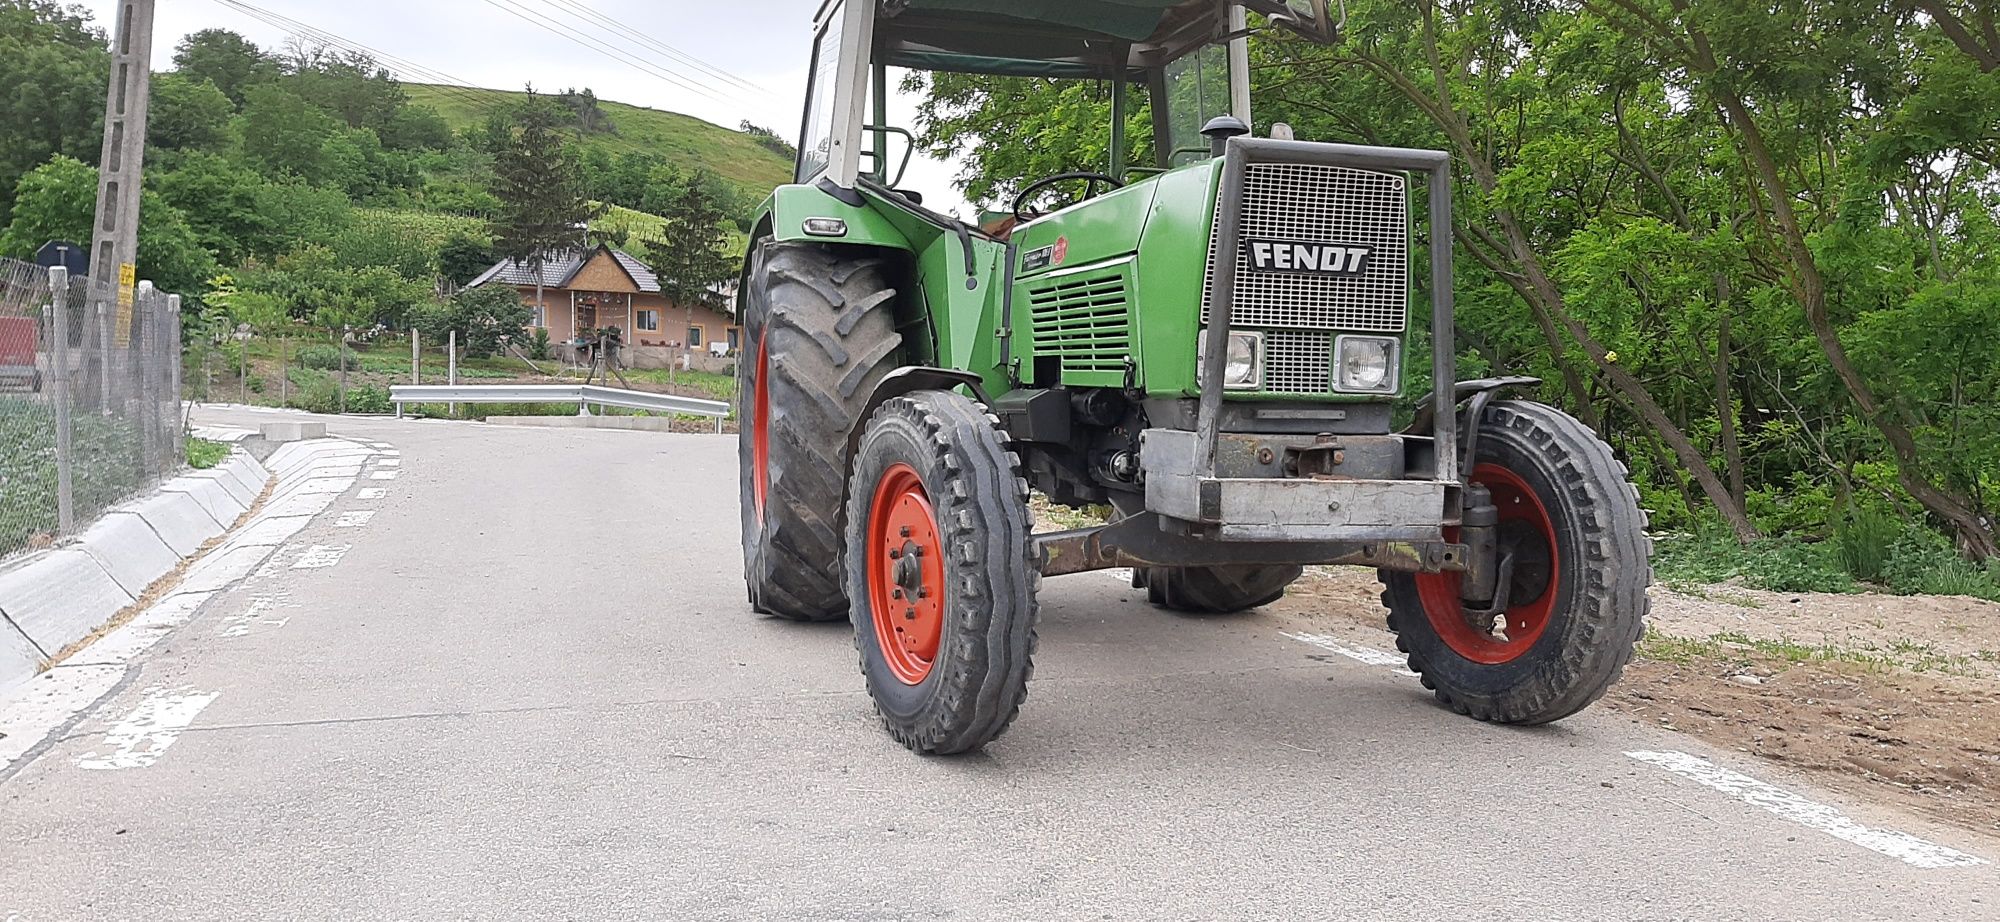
(115, 235)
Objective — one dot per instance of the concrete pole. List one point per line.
(59, 358)
(451, 367)
(143, 399)
(115, 233)
(416, 357)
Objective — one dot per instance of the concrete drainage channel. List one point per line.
(145, 569)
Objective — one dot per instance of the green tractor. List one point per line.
(1210, 347)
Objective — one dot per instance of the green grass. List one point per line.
(203, 454)
(684, 139)
(107, 469)
(1902, 654)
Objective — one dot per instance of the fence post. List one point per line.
(59, 358)
(416, 356)
(141, 379)
(451, 367)
(178, 442)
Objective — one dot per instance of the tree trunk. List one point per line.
(1974, 536)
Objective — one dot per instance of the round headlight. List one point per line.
(1365, 364)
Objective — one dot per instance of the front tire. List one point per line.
(1578, 594)
(1216, 590)
(942, 572)
(820, 334)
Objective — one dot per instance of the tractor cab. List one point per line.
(1209, 345)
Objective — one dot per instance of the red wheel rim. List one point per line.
(760, 431)
(1525, 619)
(905, 574)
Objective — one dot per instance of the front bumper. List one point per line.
(1251, 496)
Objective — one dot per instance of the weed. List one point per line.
(203, 454)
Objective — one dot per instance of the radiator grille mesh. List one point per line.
(1322, 204)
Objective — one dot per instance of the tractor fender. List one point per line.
(898, 383)
(1464, 391)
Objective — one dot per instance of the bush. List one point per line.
(369, 399)
(1865, 539)
(324, 358)
(539, 348)
(1711, 555)
(1923, 562)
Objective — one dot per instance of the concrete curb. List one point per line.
(58, 598)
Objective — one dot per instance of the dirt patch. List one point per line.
(1884, 697)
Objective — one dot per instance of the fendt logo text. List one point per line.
(1308, 258)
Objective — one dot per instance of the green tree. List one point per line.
(486, 319)
(464, 258)
(58, 201)
(53, 69)
(692, 255)
(226, 59)
(187, 114)
(283, 135)
(544, 207)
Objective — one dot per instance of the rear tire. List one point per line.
(1216, 590)
(1579, 604)
(819, 335)
(942, 574)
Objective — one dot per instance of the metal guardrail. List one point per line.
(582, 394)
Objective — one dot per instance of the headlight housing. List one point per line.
(1244, 368)
(1367, 364)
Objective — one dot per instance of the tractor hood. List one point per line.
(1068, 38)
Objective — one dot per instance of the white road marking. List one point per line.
(385, 475)
(251, 619)
(391, 453)
(389, 462)
(372, 493)
(143, 736)
(1369, 655)
(1121, 574)
(1785, 804)
(321, 556)
(354, 519)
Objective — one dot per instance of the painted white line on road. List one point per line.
(1899, 845)
(372, 493)
(354, 519)
(1121, 574)
(389, 462)
(144, 735)
(252, 619)
(321, 556)
(385, 475)
(1369, 655)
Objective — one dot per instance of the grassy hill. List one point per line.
(729, 154)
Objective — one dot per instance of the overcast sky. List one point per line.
(764, 43)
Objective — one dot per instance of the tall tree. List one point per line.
(228, 60)
(544, 209)
(52, 74)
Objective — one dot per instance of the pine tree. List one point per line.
(544, 210)
(692, 256)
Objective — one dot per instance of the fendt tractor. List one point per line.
(1212, 347)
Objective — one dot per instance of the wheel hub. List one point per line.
(905, 575)
(1528, 580)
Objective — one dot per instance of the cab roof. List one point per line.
(1045, 38)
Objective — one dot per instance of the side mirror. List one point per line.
(1313, 19)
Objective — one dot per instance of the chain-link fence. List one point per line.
(89, 400)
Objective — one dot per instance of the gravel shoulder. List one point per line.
(1888, 697)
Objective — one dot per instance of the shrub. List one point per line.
(369, 399)
(1924, 562)
(324, 358)
(1865, 539)
(539, 348)
(1711, 555)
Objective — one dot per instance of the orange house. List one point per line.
(587, 290)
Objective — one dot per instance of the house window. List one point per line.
(649, 321)
(540, 317)
(694, 338)
(735, 338)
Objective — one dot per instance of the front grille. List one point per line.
(1318, 204)
(1084, 319)
(1298, 362)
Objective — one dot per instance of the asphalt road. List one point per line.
(531, 689)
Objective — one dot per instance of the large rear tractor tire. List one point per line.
(1215, 590)
(1577, 597)
(942, 572)
(819, 334)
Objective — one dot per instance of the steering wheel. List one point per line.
(1094, 180)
